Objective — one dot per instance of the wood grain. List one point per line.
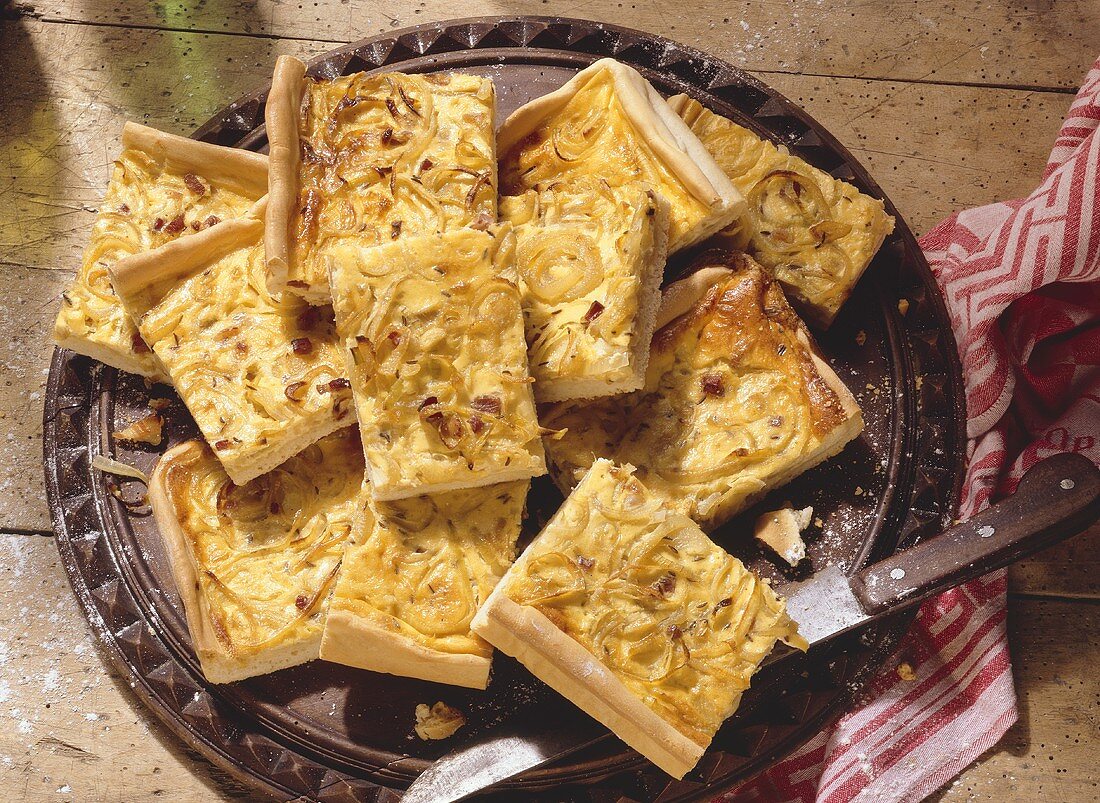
(1071, 569)
(70, 729)
(1033, 43)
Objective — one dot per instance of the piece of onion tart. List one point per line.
(630, 611)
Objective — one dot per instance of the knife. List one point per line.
(1057, 498)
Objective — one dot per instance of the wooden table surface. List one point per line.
(948, 107)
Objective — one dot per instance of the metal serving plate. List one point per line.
(326, 732)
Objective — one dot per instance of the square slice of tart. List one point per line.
(590, 258)
(434, 337)
(263, 377)
(632, 613)
(607, 122)
(162, 187)
(737, 399)
(414, 573)
(255, 564)
(815, 233)
(371, 159)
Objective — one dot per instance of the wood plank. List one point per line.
(1071, 569)
(933, 148)
(1007, 42)
(71, 729)
(28, 304)
(1050, 753)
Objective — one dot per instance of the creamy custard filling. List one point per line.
(420, 567)
(434, 337)
(589, 267)
(389, 156)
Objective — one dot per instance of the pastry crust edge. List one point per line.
(571, 670)
(393, 491)
(115, 359)
(291, 441)
(247, 169)
(354, 640)
(281, 118)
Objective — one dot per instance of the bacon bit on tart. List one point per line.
(138, 344)
(713, 385)
(309, 319)
(664, 585)
(176, 226)
(594, 312)
(487, 404)
(193, 184)
(448, 425)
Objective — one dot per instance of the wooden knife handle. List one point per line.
(1056, 498)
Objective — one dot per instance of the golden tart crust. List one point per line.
(255, 564)
(434, 337)
(371, 159)
(815, 233)
(631, 612)
(162, 187)
(737, 400)
(263, 377)
(414, 573)
(607, 122)
(590, 259)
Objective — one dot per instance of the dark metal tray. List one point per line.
(326, 732)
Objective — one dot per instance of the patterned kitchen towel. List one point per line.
(1022, 284)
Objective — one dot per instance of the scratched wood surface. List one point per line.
(957, 106)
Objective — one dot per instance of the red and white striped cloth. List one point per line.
(1022, 283)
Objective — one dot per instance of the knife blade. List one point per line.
(1058, 497)
(512, 749)
(824, 606)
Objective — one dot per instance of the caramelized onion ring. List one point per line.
(559, 266)
(787, 205)
(571, 140)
